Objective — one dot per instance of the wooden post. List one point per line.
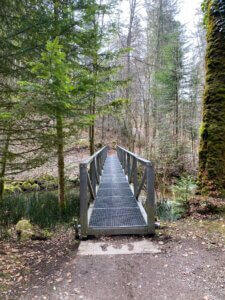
(83, 200)
(135, 177)
(150, 203)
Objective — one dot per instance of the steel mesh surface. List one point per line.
(113, 202)
(117, 217)
(114, 185)
(114, 192)
(115, 205)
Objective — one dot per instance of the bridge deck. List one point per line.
(115, 205)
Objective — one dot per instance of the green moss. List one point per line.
(24, 229)
(202, 129)
(212, 131)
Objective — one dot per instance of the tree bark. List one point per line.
(3, 166)
(93, 100)
(92, 139)
(128, 119)
(103, 129)
(157, 64)
(212, 143)
(60, 154)
(92, 127)
(176, 111)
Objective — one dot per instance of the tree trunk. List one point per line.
(92, 139)
(176, 113)
(93, 100)
(92, 127)
(128, 118)
(3, 166)
(212, 143)
(157, 63)
(61, 175)
(103, 128)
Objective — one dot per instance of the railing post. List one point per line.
(128, 166)
(98, 165)
(121, 157)
(119, 153)
(135, 175)
(96, 169)
(83, 200)
(125, 167)
(92, 176)
(101, 160)
(106, 152)
(105, 155)
(150, 203)
(124, 161)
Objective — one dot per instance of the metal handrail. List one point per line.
(129, 162)
(91, 158)
(89, 179)
(140, 159)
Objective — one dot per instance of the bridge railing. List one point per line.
(129, 162)
(90, 173)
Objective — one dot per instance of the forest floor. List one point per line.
(190, 265)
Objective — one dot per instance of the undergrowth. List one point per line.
(175, 208)
(41, 208)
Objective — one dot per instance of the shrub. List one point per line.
(164, 210)
(182, 191)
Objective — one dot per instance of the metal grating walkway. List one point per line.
(115, 205)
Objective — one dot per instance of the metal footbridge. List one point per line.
(109, 194)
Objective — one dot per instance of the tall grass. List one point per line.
(40, 208)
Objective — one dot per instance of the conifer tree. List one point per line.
(51, 96)
(23, 28)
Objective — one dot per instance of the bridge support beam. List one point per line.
(150, 197)
(83, 200)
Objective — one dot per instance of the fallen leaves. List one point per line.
(36, 261)
(211, 232)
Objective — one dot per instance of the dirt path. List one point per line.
(186, 268)
(189, 263)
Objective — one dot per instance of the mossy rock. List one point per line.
(24, 229)
(47, 234)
